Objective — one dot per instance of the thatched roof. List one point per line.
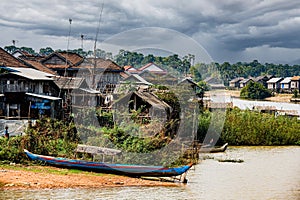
(151, 99)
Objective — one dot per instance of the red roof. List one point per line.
(146, 66)
(295, 78)
(100, 64)
(39, 66)
(127, 67)
(74, 58)
(9, 60)
(52, 66)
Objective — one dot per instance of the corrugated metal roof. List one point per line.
(138, 79)
(89, 90)
(189, 80)
(43, 96)
(31, 73)
(237, 79)
(274, 80)
(286, 80)
(246, 80)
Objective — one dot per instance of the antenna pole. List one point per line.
(98, 29)
(81, 36)
(95, 46)
(70, 21)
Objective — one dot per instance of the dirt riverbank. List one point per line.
(45, 177)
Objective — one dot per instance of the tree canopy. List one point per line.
(255, 69)
(182, 65)
(137, 60)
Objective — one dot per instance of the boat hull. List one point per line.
(122, 169)
(213, 149)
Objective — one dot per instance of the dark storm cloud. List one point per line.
(234, 25)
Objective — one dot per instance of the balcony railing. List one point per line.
(14, 88)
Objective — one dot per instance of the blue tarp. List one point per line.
(40, 106)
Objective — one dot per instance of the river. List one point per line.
(266, 173)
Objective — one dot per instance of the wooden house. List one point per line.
(235, 83)
(188, 85)
(285, 84)
(33, 61)
(136, 79)
(132, 83)
(76, 91)
(63, 63)
(27, 93)
(274, 83)
(58, 63)
(21, 54)
(244, 82)
(153, 68)
(169, 79)
(215, 82)
(150, 106)
(149, 76)
(100, 74)
(295, 83)
(263, 79)
(76, 95)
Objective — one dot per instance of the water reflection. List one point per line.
(266, 173)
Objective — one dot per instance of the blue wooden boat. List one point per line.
(122, 169)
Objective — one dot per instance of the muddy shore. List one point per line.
(45, 177)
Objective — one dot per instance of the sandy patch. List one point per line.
(29, 178)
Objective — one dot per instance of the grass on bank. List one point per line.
(252, 128)
(48, 169)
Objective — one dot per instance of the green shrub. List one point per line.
(245, 127)
(48, 137)
(254, 90)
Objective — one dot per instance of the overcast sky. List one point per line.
(228, 30)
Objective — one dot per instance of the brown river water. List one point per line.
(267, 173)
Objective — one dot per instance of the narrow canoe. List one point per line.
(213, 149)
(122, 169)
